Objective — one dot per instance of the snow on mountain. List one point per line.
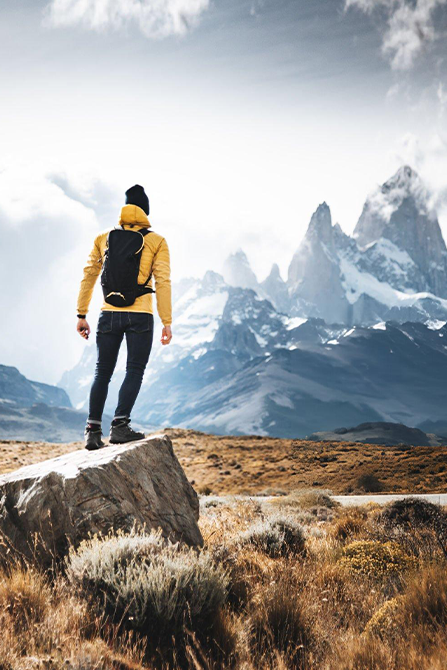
(387, 199)
(395, 266)
(393, 373)
(399, 211)
(314, 351)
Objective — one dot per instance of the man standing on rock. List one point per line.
(128, 257)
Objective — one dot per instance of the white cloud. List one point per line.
(429, 158)
(155, 18)
(409, 28)
(46, 236)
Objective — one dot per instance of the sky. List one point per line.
(238, 117)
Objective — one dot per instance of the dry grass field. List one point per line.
(252, 464)
(294, 584)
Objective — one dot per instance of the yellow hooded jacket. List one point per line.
(155, 255)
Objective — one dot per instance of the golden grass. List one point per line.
(303, 611)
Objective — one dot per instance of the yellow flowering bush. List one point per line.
(376, 559)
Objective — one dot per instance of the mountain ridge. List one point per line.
(282, 356)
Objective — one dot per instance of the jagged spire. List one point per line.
(237, 271)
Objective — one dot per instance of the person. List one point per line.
(135, 322)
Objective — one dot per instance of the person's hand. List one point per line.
(83, 328)
(166, 335)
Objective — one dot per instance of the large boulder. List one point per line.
(48, 506)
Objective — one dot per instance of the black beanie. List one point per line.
(136, 196)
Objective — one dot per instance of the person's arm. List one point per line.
(91, 272)
(161, 270)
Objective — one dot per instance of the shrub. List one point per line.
(204, 489)
(275, 537)
(309, 498)
(350, 522)
(376, 559)
(245, 568)
(416, 523)
(369, 482)
(414, 512)
(151, 585)
(421, 609)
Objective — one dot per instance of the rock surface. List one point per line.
(46, 506)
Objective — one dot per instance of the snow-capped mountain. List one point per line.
(398, 215)
(313, 376)
(394, 267)
(260, 357)
(394, 373)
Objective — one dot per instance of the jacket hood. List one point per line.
(132, 215)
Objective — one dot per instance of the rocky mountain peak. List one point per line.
(321, 224)
(404, 177)
(275, 289)
(212, 280)
(395, 205)
(399, 211)
(275, 274)
(237, 271)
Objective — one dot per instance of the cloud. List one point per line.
(429, 159)
(155, 18)
(410, 27)
(46, 232)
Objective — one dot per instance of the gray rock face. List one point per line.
(399, 211)
(394, 267)
(275, 288)
(314, 273)
(46, 506)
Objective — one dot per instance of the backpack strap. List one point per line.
(144, 232)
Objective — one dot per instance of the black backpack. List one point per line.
(119, 278)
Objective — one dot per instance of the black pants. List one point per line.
(112, 326)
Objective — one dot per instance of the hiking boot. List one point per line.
(92, 437)
(121, 432)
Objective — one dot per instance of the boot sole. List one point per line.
(94, 448)
(136, 439)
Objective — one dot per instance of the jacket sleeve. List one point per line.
(162, 273)
(91, 272)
